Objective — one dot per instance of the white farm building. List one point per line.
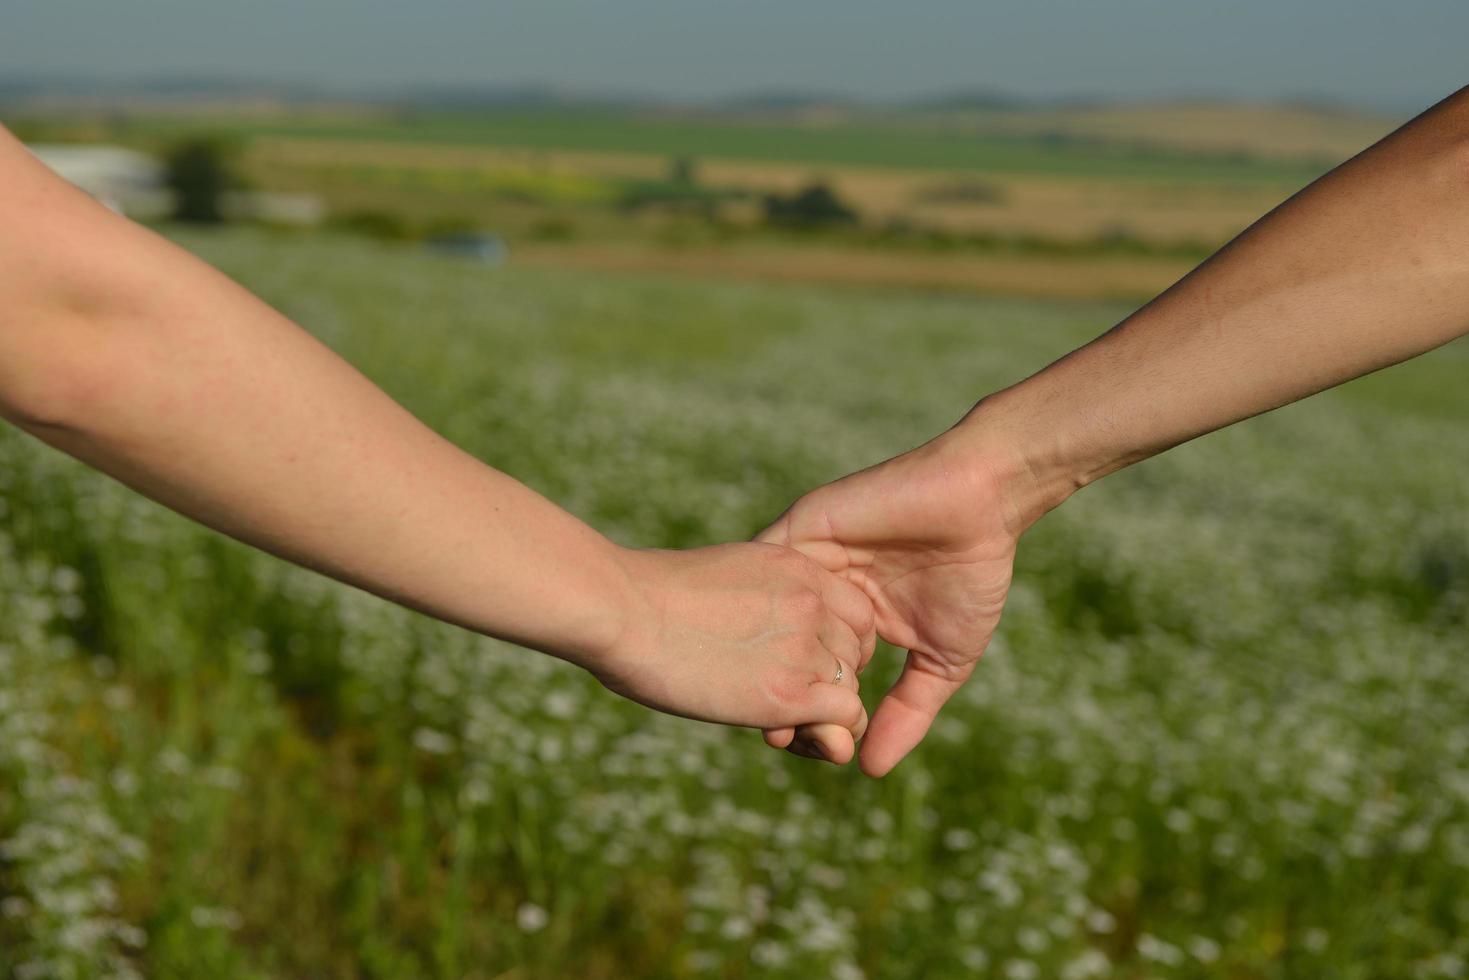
(125, 180)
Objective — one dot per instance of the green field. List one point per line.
(868, 142)
(1224, 730)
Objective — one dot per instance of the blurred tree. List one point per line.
(815, 205)
(200, 173)
(683, 170)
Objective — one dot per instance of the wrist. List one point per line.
(633, 605)
(601, 600)
(1030, 467)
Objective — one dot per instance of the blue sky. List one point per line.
(1392, 54)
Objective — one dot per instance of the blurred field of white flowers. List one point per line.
(1224, 731)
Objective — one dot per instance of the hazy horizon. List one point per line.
(1360, 54)
(203, 86)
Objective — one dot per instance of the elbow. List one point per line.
(68, 339)
(54, 353)
(50, 398)
(56, 374)
(34, 405)
(75, 282)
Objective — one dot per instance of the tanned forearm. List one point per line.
(1366, 267)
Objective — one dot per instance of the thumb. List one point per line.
(907, 712)
(810, 535)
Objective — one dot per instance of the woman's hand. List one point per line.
(130, 354)
(744, 634)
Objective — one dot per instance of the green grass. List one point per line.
(1222, 732)
(863, 142)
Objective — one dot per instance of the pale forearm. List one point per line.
(130, 354)
(142, 361)
(268, 437)
(1367, 267)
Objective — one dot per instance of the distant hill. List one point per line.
(974, 98)
(1311, 131)
(100, 91)
(105, 92)
(786, 100)
(528, 96)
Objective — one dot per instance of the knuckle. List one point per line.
(782, 556)
(787, 688)
(807, 604)
(802, 567)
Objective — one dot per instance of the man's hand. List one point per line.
(744, 634)
(1366, 267)
(930, 538)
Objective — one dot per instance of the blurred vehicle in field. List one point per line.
(483, 247)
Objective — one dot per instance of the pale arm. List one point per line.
(128, 353)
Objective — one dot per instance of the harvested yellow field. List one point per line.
(1062, 208)
(1273, 132)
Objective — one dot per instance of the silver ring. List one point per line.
(841, 672)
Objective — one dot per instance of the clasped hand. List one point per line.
(918, 550)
